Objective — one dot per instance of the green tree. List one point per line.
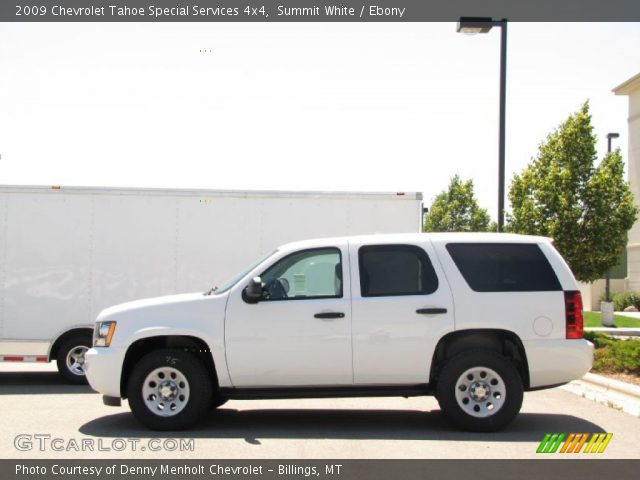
(456, 210)
(586, 209)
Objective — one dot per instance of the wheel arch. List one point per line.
(504, 342)
(138, 349)
(63, 337)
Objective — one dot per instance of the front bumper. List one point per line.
(554, 362)
(103, 367)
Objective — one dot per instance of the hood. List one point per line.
(168, 302)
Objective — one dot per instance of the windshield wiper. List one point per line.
(209, 292)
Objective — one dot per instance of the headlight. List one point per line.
(103, 333)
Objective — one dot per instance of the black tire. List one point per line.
(508, 388)
(196, 403)
(73, 347)
(217, 402)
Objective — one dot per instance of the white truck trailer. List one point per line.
(66, 253)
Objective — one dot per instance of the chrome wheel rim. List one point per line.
(165, 391)
(480, 392)
(75, 360)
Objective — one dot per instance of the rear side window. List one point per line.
(391, 270)
(504, 267)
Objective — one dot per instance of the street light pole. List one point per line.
(607, 289)
(472, 25)
(609, 137)
(503, 101)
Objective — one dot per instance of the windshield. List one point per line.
(239, 276)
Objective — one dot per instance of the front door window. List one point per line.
(307, 274)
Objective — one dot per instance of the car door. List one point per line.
(299, 332)
(401, 307)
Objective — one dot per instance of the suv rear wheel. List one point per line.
(479, 390)
(169, 390)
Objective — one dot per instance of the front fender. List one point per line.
(216, 346)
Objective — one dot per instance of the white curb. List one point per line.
(606, 391)
(612, 384)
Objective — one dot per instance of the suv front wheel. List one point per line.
(169, 390)
(479, 390)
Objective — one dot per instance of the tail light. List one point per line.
(573, 314)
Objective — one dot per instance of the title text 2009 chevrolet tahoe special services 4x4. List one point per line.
(474, 319)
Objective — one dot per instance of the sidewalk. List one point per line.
(628, 314)
(617, 332)
(607, 391)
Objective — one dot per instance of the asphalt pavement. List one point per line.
(43, 417)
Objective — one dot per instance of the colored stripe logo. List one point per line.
(574, 443)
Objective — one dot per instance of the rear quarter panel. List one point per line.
(530, 315)
(537, 318)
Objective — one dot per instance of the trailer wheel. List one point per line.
(70, 358)
(169, 390)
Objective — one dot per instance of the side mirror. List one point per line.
(252, 293)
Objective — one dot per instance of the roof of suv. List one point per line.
(440, 237)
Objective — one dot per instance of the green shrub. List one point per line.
(598, 339)
(624, 300)
(615, 356)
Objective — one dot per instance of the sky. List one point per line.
(302, 106)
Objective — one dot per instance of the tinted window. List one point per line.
(387, 270)
(504, 267)
(313, 273)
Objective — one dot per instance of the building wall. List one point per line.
(633, 155)
(592, 293)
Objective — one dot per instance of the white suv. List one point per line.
(474, 319)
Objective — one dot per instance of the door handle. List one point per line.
(329, 315)
(431, 311)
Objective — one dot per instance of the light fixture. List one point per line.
(473, 25)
